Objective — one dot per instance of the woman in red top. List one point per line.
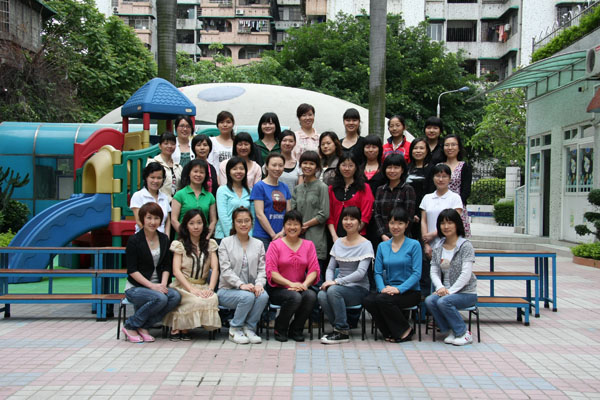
(348, 189)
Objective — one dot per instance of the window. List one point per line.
(295, 14)
(461, 31)
(435, 31)
(534, 172)
(185, 11)
(185, 36)
(247, 53)
(579, 159)
(564, 16)
(4, 14)
(53, 178)
(215, 24)
(139, 22)
(253, 25)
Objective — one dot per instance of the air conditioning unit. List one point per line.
(296, 24)
(239, 12)
(592, 63)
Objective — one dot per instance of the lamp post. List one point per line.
(462, 89)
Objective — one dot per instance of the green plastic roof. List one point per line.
(540, 70)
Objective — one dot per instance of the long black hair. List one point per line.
(232, 162)
(269, 117)
(373, 140)
(359, 177)
(185, 237)
(398, 160)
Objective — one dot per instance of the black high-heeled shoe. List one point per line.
(408, 337)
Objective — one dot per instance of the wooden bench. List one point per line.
(515, 275)
(521, 304)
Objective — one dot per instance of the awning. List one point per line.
(540, 70)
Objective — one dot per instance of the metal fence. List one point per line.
(567, 20)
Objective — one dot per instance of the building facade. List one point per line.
(138, 14)
(21, 24)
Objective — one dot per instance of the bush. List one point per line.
(6, 237)
(487, 191)
(591, 216)
(14, 216)
(504, 212)
(587, 250)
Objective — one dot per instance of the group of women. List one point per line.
(299, 218)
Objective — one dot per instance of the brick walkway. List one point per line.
(60, 351)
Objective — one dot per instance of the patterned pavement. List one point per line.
(61, 352)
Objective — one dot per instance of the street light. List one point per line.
(462, 89)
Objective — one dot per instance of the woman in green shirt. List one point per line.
(193, 193)
(311, 198)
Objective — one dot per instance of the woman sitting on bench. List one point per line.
(453, 278)
(149, 273)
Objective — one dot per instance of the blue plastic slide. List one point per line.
(57, 226)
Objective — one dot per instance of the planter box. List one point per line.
(588, 262)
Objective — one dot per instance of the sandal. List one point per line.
(185, 336)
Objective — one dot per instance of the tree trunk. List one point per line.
(377, 46)
(166, 11)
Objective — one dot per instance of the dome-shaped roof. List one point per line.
(160, 99)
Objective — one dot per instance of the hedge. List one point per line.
(5, 238)
(487, 191)
(504, 212)
(587, 250)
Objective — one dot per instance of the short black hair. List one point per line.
(311, 156)
(412, 147)
(292, 215)
(167, 137)
(149, 169)
(395, 159)
(239, 210)
(373, 140)
(185, 174)
(441, 167)
(351, 211)
(243, 137)
(399, 214)
(336, 141)
(185, 118)
(351, 113)
(303, 109)
(450, 214)
(434, 121)
(201, 138)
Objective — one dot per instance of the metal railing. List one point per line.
(572, 18)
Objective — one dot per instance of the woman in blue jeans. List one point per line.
(351, 255)
(453, 278)
(149, 273)
(242, 279)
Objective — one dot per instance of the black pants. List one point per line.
(387, 311)
(296, 304)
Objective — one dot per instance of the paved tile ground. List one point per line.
(60, 352)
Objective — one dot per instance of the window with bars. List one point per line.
(4, 14)
(461, 31)
(579, 159)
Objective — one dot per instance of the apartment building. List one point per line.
(138, 14)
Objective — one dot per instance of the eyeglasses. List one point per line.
(184, 127)
(450, 145)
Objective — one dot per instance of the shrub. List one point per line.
(6, 237)
(14, 216)
(487, 191)
(587, 250)
(504, 212)
(591, 216)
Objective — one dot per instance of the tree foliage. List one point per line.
(333, 58)
(501, 132)
(87, 66)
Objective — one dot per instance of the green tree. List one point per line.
(87, 66)
(501, 133)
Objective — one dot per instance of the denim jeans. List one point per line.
(150, 306)
(296, 304)
(334, 300)
(266, 242)
(445, 310)
(247, 306)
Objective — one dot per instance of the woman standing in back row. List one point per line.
(307, 137)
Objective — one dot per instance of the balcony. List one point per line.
(285, 25)
(289, 2)
(187, 24)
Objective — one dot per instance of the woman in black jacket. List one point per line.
(149, 273)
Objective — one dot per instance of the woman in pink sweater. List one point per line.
(292, 267)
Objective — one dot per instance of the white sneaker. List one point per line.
(450, 338)
(467, 338)
(237, 336)
(252, 336)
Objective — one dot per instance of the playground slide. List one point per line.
(57, 226)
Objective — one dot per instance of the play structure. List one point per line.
(107, 169)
